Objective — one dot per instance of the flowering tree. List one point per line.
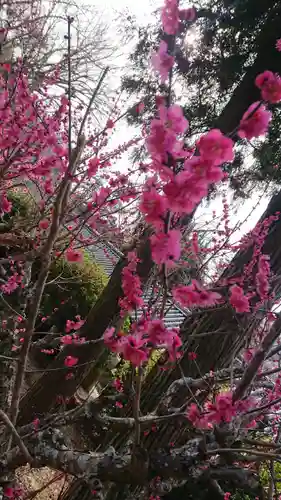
(214, 414)
(35, 29)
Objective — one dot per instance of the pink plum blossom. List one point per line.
(185, 191)
(44, 224)
(133, 349)
(262, 276)
(153, 206)
(173, 118)
(204, 169)
(166, 248)
(70, 361)
(216, 147)
(238, 300)
(195, 295)
(73, 255)
(278, 45)
(162, 62)
(164, 131)
(270, 85)
(170, 17)
(254, 122)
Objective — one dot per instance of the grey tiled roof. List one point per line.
(107, 256)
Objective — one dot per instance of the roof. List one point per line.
(107, 256)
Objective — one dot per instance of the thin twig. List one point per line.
(5, 419)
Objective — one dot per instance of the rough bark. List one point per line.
(49, 448)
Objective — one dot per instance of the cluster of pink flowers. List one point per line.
(164, 131)
(262, 277)
(13, 492)
(5, 205)
(222, 410)
(145, 335)
(118, 385)
(255, 120)
(41, 144)
(165, 247)
(162, 62)
(13, 282)
(154, 206)
(182, 191)
(171, 16)
(270, 85)
(73, 255)
(131, 285)
(238, 300)
(70, 361)
(278, 44)
(195, 295)
(74, 325)
(72, 339)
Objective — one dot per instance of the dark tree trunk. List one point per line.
(40, 398)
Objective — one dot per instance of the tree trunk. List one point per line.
(40, 398)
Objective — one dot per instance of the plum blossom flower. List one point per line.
(156, 332)
(165, 248)
(11, 284)
(73, 255)
(238, 300)
(254, 122)
(154, 206)
(216, 147)
(159, 142)
(195, 295)
(66, 339)
(173, 118)
(192, 356)
(223, 410)
(70, 361)
(170, 17)
(185, 295)
(270, 85)
(131, 285)
(204, 169)
(109, 123)
(262, 276)
(118, 385)
(184, 191)
(74, 325)
(112, 340)
(164, 131)
(133, 349)
(162, 62)
(193, 415)
(44, 224)
(278, 45)
(173, 343)
(93, 166)
(5, 205)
